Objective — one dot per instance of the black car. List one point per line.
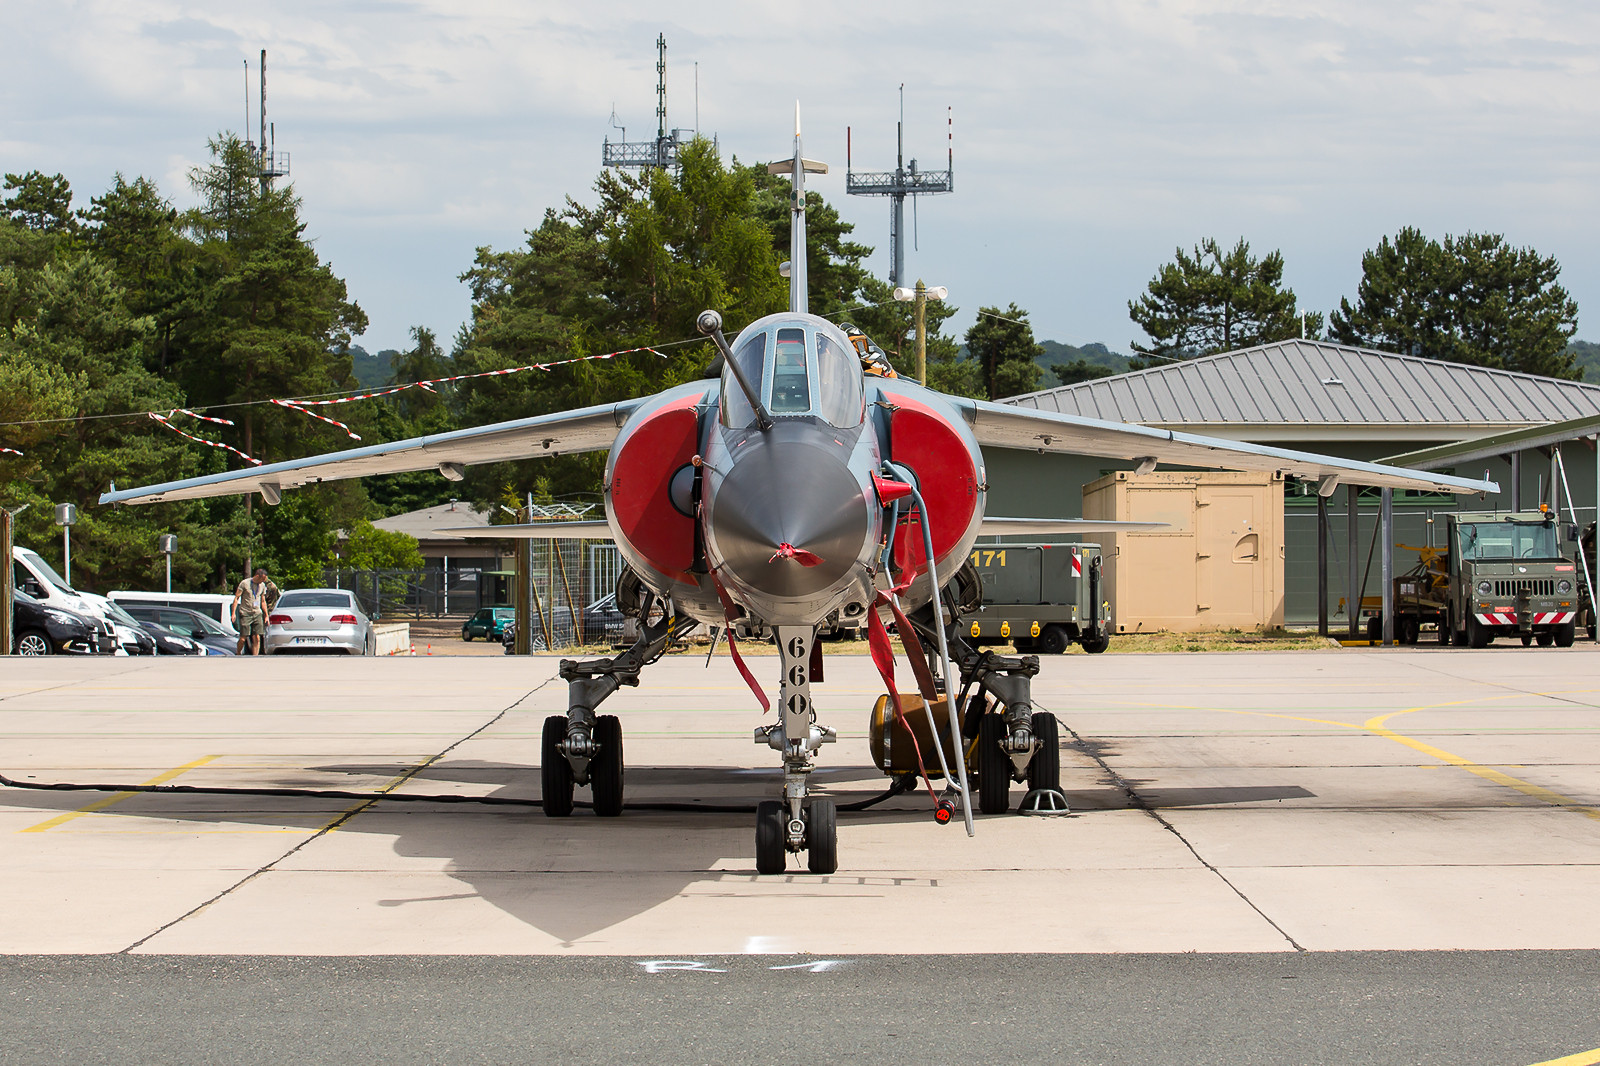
(187, 623)
(39, 629)
(170, 643)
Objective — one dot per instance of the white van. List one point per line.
(31, 574)
(213, 605)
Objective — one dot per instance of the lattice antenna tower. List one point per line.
(661, 152)
(270, 163)
(901, 182)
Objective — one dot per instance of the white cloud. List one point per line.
(1090, 137)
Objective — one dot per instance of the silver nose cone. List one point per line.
(790, 518)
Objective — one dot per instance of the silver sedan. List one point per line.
(319, 620)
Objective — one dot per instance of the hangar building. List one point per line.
(1321, 397)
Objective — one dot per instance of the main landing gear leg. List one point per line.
(797, 822)
(583, 748)
(1028, 748)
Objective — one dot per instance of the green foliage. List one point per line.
(1001, 344)
(39, 202)
(1471, 299)
(369, 548)
(1080, 370)
(1586, 358)
(1216, 301)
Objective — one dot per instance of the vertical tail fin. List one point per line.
(797, 168)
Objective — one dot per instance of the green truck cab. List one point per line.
(1501, 575)
(1040, 598)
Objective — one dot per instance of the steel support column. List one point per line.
(1387, 533)
(1322, 565)
(1352, 603)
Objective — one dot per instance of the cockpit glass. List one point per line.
(736, 410)
(791, 384)
(1508, 540)
(838, 383)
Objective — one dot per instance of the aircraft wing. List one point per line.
(585, 430)
(1005, 426)
(1044, 527)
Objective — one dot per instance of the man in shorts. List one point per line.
(253, 600)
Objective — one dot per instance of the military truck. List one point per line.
(1041, 598)
(1499, 575)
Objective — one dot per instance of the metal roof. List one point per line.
(422, 524)
(1303, 384)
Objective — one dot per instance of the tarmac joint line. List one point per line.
(343, 817)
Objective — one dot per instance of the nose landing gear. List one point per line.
(798, 822)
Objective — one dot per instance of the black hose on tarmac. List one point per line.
(899, 786)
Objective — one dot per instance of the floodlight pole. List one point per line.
(921, 295)
(66, 514)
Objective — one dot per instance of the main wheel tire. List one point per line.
(605, 772)
(1096, 645)
(1478, 635)
(1545, 639)
(1566, 633)
(1044, 769)
(33, 642)
(822, 837)
(555, 773)
(1053, 640)
(771, 855)
(994, 766)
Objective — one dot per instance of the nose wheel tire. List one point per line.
(605, 772)
(994, 766)
(555, 773)
(771, 854)
(1044, 769)
(822, 837)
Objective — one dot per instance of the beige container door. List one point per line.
(1153, 571)
(1229, 575)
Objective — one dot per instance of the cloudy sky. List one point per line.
(1091, 138)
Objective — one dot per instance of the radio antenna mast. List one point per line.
(901, 182)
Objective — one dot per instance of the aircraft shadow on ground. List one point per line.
(575, 877)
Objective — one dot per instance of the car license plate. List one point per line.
(311, 640)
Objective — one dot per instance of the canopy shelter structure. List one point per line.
(1337, 400)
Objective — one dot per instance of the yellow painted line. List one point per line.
(1376, 726)
(1488, 773)
(100, 805)
(1582, 1058)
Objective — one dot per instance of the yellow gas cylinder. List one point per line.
(890, 740)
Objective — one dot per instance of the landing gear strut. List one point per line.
(797, 822)
(583, 748)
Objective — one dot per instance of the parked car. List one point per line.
(31, 574)
(170, 643)
(319, 620)
(215, 606)
(130, 635)
(188, 623)
(489, 623)
(41, 629)
(602, 623)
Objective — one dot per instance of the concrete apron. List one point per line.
(1403, 798)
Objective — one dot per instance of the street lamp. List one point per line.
(921, 294)
(168, 545)
(66, 514)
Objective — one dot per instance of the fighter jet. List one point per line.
(804, 491)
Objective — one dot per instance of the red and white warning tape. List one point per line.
(10, 451)
(166, 421)
(293, 406)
